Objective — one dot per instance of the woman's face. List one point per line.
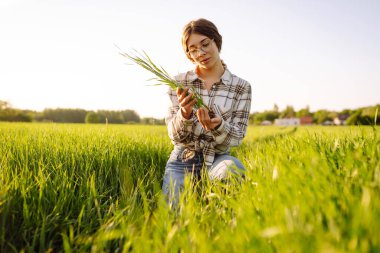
(203, 50)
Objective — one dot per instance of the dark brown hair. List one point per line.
(204, 27)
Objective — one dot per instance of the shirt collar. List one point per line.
(226, 77)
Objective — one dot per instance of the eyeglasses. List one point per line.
(205, 47)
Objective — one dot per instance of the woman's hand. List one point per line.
(205, 120)
(186, 102)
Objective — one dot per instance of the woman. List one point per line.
(201, 137)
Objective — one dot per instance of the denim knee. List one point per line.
(223, 165)
(178, 166)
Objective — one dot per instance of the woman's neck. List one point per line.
(212, 73)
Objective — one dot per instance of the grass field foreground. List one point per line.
(97, 188)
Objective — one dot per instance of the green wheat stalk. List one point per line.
(162, 76)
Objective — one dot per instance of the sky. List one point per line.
(324, 54)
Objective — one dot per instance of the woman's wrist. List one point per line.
(185, 114)
(217, 126)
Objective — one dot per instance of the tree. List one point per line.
(354, 118)
(304, 112)
(119, 117)
(258, 117)
(65, 115)
(130, 116)
(152, 121)
(321, 116)
(4, 105)
(275, 108)
(364, 116)
(288, 112)
(7, 113)
(92, 118)
(113, 117)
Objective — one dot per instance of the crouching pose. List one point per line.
(203, 137)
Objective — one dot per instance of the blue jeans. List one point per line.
(178, 166)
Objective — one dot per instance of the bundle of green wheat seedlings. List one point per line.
(162, 77)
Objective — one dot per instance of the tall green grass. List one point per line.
(97, 188)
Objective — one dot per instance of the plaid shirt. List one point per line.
(230, 99)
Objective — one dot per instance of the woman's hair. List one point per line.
(204, 27)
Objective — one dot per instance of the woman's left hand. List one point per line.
(205, 120)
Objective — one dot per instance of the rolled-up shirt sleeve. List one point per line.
(179, 128)
(231, 133)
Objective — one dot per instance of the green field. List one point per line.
(97, 188)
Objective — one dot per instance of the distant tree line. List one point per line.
(113, 117)
(66, 115)
(360, 116)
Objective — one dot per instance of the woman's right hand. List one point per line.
(186, 102)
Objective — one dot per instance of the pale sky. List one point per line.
(61, 53)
